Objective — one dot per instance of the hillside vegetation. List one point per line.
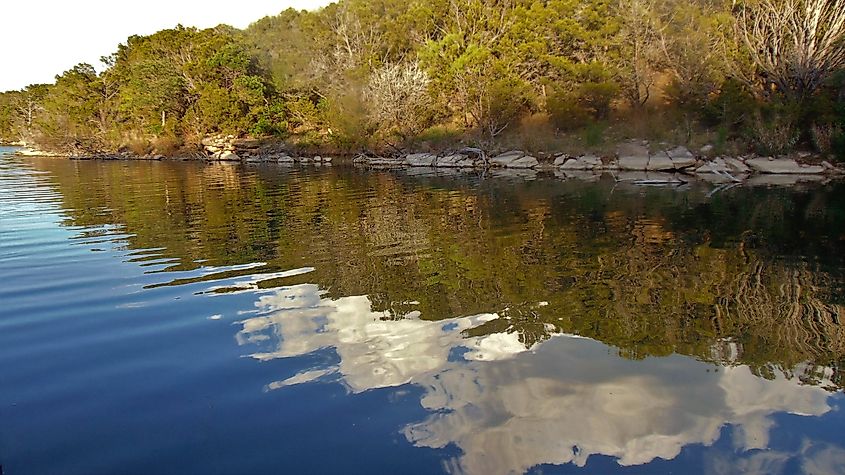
(386, 75)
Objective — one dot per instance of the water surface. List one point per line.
(180, 317)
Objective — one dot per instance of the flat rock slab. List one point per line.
(660, 162)
(782, 166)
(585, 162)
(454, 161)
(715, 166)
(633, 163)
(736, 165)
(524, 162)
(576, 164)
(680, 153)
(420, 159)
(507, 158)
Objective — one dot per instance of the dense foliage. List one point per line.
(367, 74)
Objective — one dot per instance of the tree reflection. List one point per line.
(749, 276)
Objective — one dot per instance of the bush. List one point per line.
(565, 111)
(596, 97)
(730, 106)
(774, 137)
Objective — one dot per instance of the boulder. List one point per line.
(229, 156)
(284, 159)
(782, 166)
(706, 150)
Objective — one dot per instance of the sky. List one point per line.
(42, 38)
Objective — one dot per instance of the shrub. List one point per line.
(774, 137)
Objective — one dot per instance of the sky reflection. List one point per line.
(510, 407)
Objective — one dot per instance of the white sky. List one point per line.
(42, 38)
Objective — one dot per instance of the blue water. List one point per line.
(185, 318)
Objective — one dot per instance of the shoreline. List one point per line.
(633, 162)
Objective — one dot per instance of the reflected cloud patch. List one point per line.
(510, 407)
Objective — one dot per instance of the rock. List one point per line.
(782, 166)
(228, 156)
(506, 158)
(706, 150)
(827, 165)
(635, 163)
(420, 160)
(327, 159)
(681, 157)
(660, 162)
(561, 159)
(736, 165)
(524, 162)
(591, 160)
(587, 162)
(317, 158)
(474, 153)
(284, 159)
(450, 161)
(715, 166)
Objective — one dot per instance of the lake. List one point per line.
(192, 318)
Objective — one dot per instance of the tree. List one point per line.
(399, 99)
(794, 45)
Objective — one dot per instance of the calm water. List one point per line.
(183, 318)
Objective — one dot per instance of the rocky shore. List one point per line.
(633, 161)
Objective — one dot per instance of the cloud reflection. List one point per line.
(509, 407)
